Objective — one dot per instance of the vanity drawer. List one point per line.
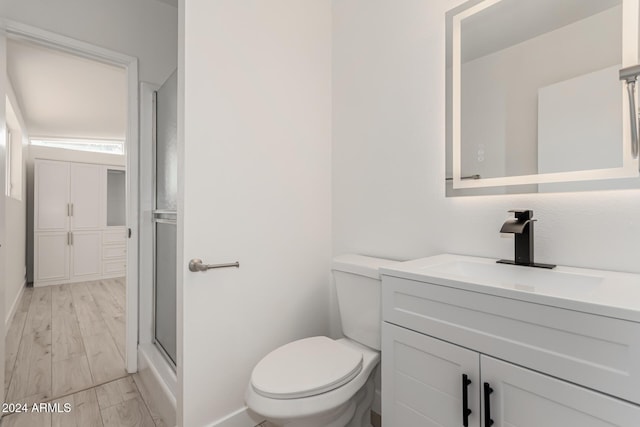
(596, 351)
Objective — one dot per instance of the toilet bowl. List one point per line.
(290, 399)
(321, 382)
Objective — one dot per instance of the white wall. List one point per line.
(49, 153)
(16, 216)
(388, 156)
(255, 130)
(146, 29)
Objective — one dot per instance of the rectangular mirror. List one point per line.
(534, 98)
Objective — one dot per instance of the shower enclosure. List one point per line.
(157, 351)
(165, 180)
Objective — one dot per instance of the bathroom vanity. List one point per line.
(469, 342)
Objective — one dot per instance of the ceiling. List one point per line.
(64, 95)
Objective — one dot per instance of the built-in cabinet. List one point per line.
(72, 240)
(455, 358)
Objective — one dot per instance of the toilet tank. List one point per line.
(358, 287)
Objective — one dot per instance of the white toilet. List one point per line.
(320, 382)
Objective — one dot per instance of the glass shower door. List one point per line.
(164, 216)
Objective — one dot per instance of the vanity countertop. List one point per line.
(601, 292)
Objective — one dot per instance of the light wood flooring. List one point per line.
(66, 345)
(119, 403)
(64, 339)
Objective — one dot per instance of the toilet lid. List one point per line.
(306, 367)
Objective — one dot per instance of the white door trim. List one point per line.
(16, 30)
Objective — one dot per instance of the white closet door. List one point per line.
(52, 195)
(423, 381)
(52, 256)
(86, 254)
(86, 196)
(524, 398)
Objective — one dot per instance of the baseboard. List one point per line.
(14, 307)
(45, 283)
(240, 418)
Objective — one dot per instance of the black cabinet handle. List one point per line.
(488, 422)
(465, 400)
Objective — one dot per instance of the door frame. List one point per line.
(18, 31)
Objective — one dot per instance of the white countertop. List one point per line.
(601, 292)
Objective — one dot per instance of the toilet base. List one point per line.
(354, 413)
(363, 400)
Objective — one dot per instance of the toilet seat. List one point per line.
(287, 409)
(305, 368)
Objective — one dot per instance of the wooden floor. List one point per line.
(65, 339)
(118, 403)
(66, 345)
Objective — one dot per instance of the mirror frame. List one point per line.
(522, 183)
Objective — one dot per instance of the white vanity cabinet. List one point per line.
(521, 398)
(422, 380)
(545, 364)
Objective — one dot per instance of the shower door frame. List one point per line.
(154, 221)
(18, 31)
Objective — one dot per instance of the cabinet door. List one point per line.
(86, 196)
(524, 398)
(51, 256)
(86, 254)
(422, 380)
(51, 196)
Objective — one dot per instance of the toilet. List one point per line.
(321, 382)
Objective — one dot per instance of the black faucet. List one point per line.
(522, 228)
